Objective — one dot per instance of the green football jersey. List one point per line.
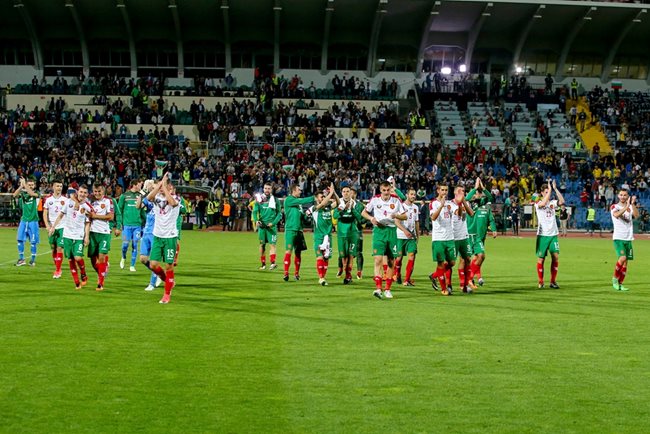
(322, 219)
(479, 222)
(348, 220)
(264, 214)
(29, 205)
(131, 215)
(293, 212)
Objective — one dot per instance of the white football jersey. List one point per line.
(546, 223)
(166, 217)
(442, 227)
(623, 225)
(459, 221)
(54, 206)
(382, 210)
(74, 222)
(412, 216)
(102, 207)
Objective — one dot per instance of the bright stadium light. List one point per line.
(445, 70)
(462, 68)
(518, 69)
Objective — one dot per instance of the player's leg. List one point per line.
(127, 237)
(34, 240)
(360, 257)
(397, 263)
(289, 239)
(20, 239)
(134, 247)
(378, 251)
(79, 259)
(554, 250)
(272, 249)
(262, 255)
(68, 251)
(170, 254)
(297, 259)
(390, 261)
(104, 247)
(450, 259)
(541, 248)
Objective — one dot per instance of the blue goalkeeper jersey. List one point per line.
(151, 217)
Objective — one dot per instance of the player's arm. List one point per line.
(399, 216)
(151, 196)
(547, 197)
(400, 226)
(50, 230)
(635, 209)
(434, 213)
(28, 190)
(327, 199)
(304, 200)
(19, 190)
(468, 208)
(87, 232)
(560, 198)
(46, 220)
(492, 223)
(255, 214)
(470, 194)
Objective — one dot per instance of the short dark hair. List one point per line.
(293, 187)
(385, 184)
(84, 186)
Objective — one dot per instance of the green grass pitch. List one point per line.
(240, 351)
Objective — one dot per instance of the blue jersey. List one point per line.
(151, 217)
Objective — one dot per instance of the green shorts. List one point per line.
(406, 246)
(464, 248)
(56, 239)
(384, 242)
(99, 243)
(318, 240)
(624, 248)
(348, 245)
(73, 248)
(163, 250)
(477, 244)
(546, 245)
(443, 251)
(267, 235)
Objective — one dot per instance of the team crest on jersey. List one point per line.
(392, 206)
(103, 206)
(62, 202)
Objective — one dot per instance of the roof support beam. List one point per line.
(85, 57)
(473, 34)
(173, 7)
(129, 33)
(607, 66)
(31, 31)
(225, 8)
(374, 36)
(425, 36)
(277, 10)
(568, 42)
(524, 33)
(329, 10)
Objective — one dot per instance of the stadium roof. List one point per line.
(498, 29)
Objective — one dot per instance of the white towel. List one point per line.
(272, 202)
(326, 248)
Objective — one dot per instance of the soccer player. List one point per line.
(147, 236)
(623, 214)
(294, 239)
(461, 211)
(267, 213)
(407, 241)
(347, 215)
(76, 233)
(477, 226)
(443, 247)
(547, 232)
(321, 214)
(360, 260)
(387, 213)
(51, 210)
(129, 206)
(165, 233)
(28, 227)
(100, 232)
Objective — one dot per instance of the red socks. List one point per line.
(101, 272)
(287, 261)
(169, 281)
(540, 272)
(389, 283)
(461, 277)
(82, 267)
(73, 270)
(58, 261)
(378, 281)
(398, 267)
(620, 272)
(272, 257)
(348, 271)
(296, 263)
(448, 274)
(409, 269)
(159, 272)
(263, 260)
(320, 267)
(554, 267)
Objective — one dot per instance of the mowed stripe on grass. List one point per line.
(239, 350)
